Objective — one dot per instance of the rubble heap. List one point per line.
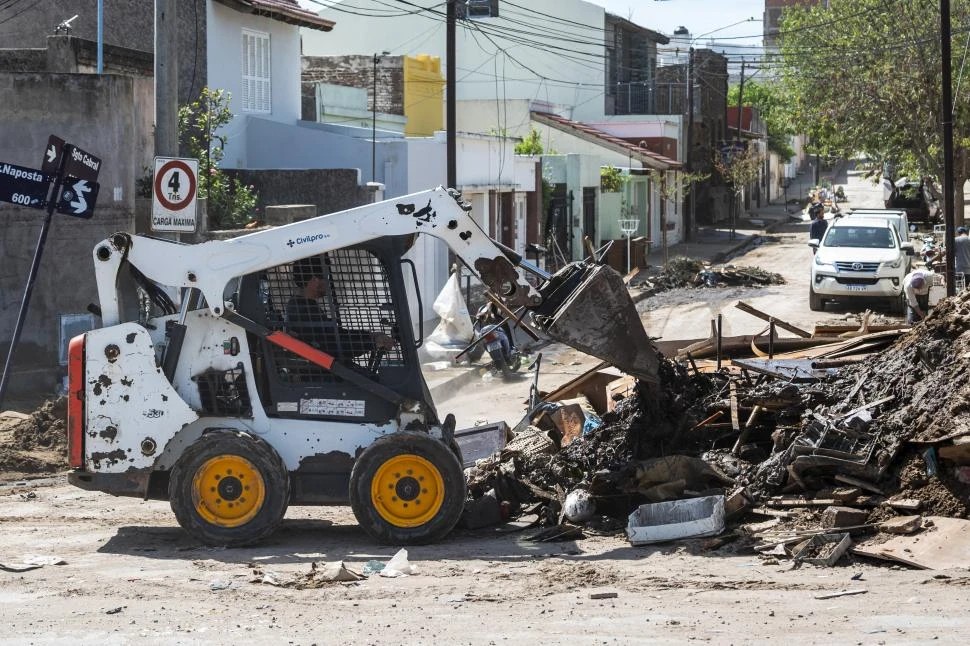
(34, 443)
(889, 432)
(690, 272)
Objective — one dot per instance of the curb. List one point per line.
(445, 389)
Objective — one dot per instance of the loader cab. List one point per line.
(338, 302)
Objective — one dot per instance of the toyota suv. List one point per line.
(859, 257)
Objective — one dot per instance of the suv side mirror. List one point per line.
(814, 242)
(908, 248)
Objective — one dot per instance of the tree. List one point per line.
(530, 145)
(671, 186)
(863, 76)
(738, 170)
(769, 99)
(230, 203)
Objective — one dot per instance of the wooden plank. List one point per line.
(835, 330)
(735, 423)
(744, 307)
(857, 482)
(743, 435)
(713, 418)
(943, 545)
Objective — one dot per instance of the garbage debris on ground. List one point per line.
(320, 575)
(690, 272)
(843, 456)
(32, 562)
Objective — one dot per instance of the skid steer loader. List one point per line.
(234, 378)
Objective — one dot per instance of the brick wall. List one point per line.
(358, 72)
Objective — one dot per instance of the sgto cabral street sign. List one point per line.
(174, 194)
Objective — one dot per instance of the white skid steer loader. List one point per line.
(234, 378)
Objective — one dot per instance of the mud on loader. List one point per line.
(234, 378)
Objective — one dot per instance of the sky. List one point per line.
(699, 16)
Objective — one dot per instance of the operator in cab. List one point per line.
(308, 319)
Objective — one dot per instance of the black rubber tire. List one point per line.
(397, 446)
(476, 353)
(262, 457)
(815, 302)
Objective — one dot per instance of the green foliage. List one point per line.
(770, 100)
(741, 169)
(230, 203)
(612, 179)
(530, 145)
(143, 184)
(869, 82)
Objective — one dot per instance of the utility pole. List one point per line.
(166, 79)
(689, 152)
(948, 188)
(450, 82)
(740, 96)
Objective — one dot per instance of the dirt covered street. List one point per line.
(82, 567)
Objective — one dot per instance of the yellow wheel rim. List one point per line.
(228, 491)
(407, 490)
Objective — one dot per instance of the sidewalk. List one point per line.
(714, 243)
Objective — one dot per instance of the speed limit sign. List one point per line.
(173, 194)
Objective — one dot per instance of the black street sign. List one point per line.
(78, 197)
(52, 155)
(24, 186)
(81, 164)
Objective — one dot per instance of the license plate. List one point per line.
(494, 345)
(857, 288)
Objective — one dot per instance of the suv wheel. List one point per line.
(815, 302)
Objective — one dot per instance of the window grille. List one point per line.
(338, 302)
(256, 77)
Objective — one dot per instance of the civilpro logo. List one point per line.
(306, 239)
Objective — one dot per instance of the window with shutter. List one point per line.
(257, 93)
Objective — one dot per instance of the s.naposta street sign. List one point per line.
(24, 186)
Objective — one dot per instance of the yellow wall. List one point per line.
(423, 95)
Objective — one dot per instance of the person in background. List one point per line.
(819, 225)
(961, 256)
(916, 289)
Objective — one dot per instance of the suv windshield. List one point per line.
(867, 237)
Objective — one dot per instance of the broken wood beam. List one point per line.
(713, 418)
(746, 430)
(858, 482)
(735, 423)
(744, 307)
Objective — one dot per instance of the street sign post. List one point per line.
(52, 155)
(24, 186)
(78, 198)
(63, 166)
(174, 193)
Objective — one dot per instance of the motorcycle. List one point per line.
(840, 195)
(496, 335)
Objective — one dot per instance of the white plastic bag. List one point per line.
(456, 325)
(398, 565)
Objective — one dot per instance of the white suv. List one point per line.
(859, 257)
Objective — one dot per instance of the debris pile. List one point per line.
(860, 448)
(34, 443)
(690, 272)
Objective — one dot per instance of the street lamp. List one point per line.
(373, 127)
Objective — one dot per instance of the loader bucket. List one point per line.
(588, 307)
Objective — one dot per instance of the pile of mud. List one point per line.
(34, 443)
